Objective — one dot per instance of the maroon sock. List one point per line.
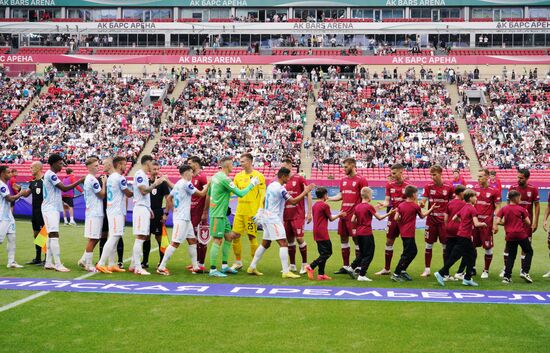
(345, 256)
(303, 252)
(201, 253)
(388, 255)
(428, 257)
(488, 259)
(292, 254)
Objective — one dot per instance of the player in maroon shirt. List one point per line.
(488, 203)
(547, 230)
(463, 246)
(199, 206)
(406, 219)
(529, 200)
(451, 227)
(350, 195)
(294, 217)
(435, 193)
(515, 219)
(394, 196)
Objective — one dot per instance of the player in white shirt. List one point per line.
(271, 219)
(52, 206)
(180, 200)
(117, 191)
(7, 222)
(142, 213)
(94, 193)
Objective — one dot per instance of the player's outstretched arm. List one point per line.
(381, 217)
(307, 190)
(337, 197)
(71, 186)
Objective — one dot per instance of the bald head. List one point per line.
(36, 169)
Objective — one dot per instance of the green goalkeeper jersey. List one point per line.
(221, 187)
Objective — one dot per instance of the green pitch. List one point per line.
(88, 322)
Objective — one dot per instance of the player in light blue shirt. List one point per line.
(51, 208)
(271, 218)
(180, 200)
(7, 222)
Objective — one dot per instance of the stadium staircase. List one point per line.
(463, 128)
(306, 162)
(27, 109)
(180, 86)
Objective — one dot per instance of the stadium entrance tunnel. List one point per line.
(344, 71)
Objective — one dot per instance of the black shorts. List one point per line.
(37, 220)
(156, 222)
(68, 201)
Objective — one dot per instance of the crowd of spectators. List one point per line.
(513, 129)
(15, 94)
(381, 123)
(82, 117)
(214, 118)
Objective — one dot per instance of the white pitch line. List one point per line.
(43, 293)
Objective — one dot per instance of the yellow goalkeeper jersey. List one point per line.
(251, 202)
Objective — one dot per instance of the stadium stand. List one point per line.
(15, 95)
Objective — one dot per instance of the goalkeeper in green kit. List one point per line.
(221, 188)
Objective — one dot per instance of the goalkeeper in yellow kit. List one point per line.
(247, 207)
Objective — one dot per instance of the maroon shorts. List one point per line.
(294, 228)
(434, 232)
(483, 237)
(393, 230)
(346, 228)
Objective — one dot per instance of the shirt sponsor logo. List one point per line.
(190, 186)
(96, 185)
(3, 189)
(123, 182)
(54, 177)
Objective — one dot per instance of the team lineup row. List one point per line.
(461, 219)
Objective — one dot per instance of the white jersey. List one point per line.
(141, 179)
(182, 192)
(5, 207)
(52, 195)
(94, 204)
(116, 200)
(275, 199)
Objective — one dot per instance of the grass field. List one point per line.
(89, 322)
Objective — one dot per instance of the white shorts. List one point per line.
(182, 230)
(51, 221)
(6, 227)
(116, 224)
(141, 220)
(274, 231)
(93, 227)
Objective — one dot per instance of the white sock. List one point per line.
(72, 220)
(83, 257)
(88, 259)
(283, 254)
(257, 256)
(48, 252)
(11, 248)
(137, 253)
(170, 250)
(107, 250)
(65, 219)
(193, 254)
(54, 245)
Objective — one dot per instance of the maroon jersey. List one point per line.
(197, 202)
(408, 212)
(395, 192)
(453, 208)
(514, 226)
(529, 196)
(321, 216)
(439, 195)
(466, 226)
(487, 199)
(350, 188)
(295, 186)
(364, 212)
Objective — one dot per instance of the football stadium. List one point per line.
(344, 175)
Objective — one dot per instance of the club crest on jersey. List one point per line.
(96, 185)
(123, 182)
(345, 183)
(529, 194)
(354, 183)
(444, 192)
(190, 186)
(54, 177)
(478, 193)
(38, 191)
(154, 192)
(293, 183)
(140, 179)
(488, 195)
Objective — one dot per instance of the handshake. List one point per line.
(254, 181)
